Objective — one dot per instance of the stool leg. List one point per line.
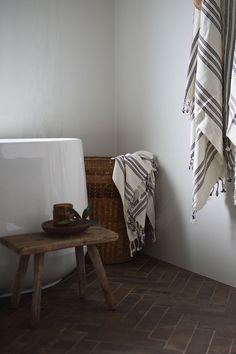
(36, 296)
(79, 253)
(101, 274)
(20, 274)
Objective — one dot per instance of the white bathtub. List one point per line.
(34, 175)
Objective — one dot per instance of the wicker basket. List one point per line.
(106, 208)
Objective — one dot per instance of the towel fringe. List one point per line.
(223, 185)
(137, 245)
(234, 197)
(219, 187)
(191, 164)
(220, 183)
(188, 108)
(193, 219)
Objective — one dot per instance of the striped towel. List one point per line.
(231, 131)
(134, 176)
(207, 96)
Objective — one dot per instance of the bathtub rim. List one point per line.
(34, 140)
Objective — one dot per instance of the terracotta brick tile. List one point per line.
(92, 288)
(134, 281)
(167, 279)
(151, 318)
(200, 341)
(180, 281)
(130, 267)
(166, 325)
(225, 326)
(220, 345)
(221, 294)
(161, 309)
(109, 347)
(154, 351)
(120, 293)
(15, 346)
(33, 339)
(97, 351)
(139, 259)
(91, 277)
(228, 331)
(182, 335)
(83, 347)
(139, 310)
(128, 303)
(147, 267)
(98, 294)
(62, 345)
(231, 306)
(156, 273)
(164, 265)
(121, 336)
(207, 289)
(233, 347)
(193, 285)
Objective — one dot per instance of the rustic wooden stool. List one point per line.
(38, 243)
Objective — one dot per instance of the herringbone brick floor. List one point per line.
(161, 309)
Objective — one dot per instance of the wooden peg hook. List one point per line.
(197, 4)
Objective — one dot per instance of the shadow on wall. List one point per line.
(231, 209)
(169, 223)
(21, 206)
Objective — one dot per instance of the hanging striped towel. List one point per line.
(231, 131)
(134, 176)
(207, 95)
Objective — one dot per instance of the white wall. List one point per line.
(57, 67)
(57, 71)
(153, 40)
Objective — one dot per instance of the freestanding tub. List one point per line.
(34, 175)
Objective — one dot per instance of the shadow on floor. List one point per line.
(160, 309)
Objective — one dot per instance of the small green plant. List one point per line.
(75, 218)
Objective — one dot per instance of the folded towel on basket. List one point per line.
(134, 176)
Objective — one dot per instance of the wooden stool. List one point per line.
(38, 243)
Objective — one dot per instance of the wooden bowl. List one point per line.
(49, 228)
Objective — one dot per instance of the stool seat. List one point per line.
(39, 243)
